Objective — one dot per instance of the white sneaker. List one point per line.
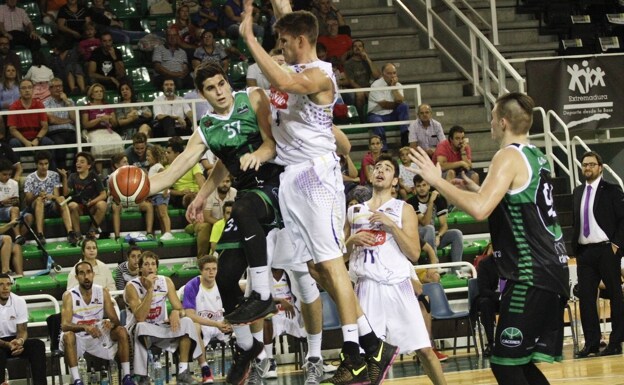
(166, 236)
(313, 369)
(329, 368)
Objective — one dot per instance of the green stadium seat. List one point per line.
(180, 239)
(62, 279)
(451, 281)
(182, 272)
(35, 284)
(141, 80)
(237, 74)
(33, 12)
(165, 270)
(40, 315)
(123, 9)
(130, 59)
(25, 59)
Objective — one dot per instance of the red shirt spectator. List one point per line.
(338, 45)
(29, 125)
(445, 149)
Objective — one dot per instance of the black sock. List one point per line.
(370, 343)
(352, 350)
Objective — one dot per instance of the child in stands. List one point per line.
(155, 156)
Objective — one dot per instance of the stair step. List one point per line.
(391, 44)
(345, 5)
(456, 101)
(415, 66)
(407, 54)
(443, 89)
(360, 11)
(430, 78)
(373, 23)
(387, 32)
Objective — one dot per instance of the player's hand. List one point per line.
(362, 238)
(249, 161)
(174, 320)
(93, 331)
(465, 183)
(424, 165)
(288, 308)
(148, 282)
(17, 347)
(381, 217)
(107, 324)
(245, 29)
(224, 327)
(195, 211)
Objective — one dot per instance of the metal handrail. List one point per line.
(473, 270)
(578, 141)
(36, 297)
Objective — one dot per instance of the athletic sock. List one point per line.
(244, 339)
(363, 326)
(125, 368)
(258, 335)
(314, 345)
(75, 374)
(182, 366)
(350, 333)
(268, 349)
(261, 285)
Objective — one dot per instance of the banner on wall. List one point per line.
(586, 92)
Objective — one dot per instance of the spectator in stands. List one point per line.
(375, 146)
(208, 16)
(203, 305)
(9, 200)
(350, 176)
(324, 10)
(190, 34)
(42, 195)
(219, 226)
(171, 62)
(210, 50)
(99, 124)
(455, 156)
(136, 153)
(184, 190)
(28, 129)
(6, 152)
(66, 63)
(171, 119)
(132, 119)
(255, 77)
(146, 298)
(89, 42)
(71, 20)
(90, 324)
(232, 18)
(9, 89)
(213, 212)
(101, 273)
(106, 64)
(338, 45)
(15, 23)
(201, 105)
(359, 194)
(61, 124)
(406, 175)
(487, 302)
(7, 56)
(50, 9)
(425, 131)
(388, 106)
(361, 72)
(128, 269)
(10, 252)
(321, 52)
(144, 207)
(430, 205)
(106, 19)
(155, 158)
(40, 74)
(14, 341)
(88, 194)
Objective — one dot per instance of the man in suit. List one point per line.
(596, 241)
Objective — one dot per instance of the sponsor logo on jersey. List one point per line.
(154, 313)
(244, 108)
(279, 99)
(511, 337)
(380, 237)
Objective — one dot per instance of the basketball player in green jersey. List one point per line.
(517, 198)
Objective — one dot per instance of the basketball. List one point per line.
(128, 185)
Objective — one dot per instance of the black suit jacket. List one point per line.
(608, 210)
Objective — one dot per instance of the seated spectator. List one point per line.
(232, 18)
(321, 52)
(455, 156)
(15, 23)
(7, 56)
(338, 45)
(357, 195)
(425, 132)
(29, 129)
(155, 158)
(9, 89)
(324, 10)
(208, 161)
(427, 256)
(106, 64)
(210, 50)
(10, 201)
(42, 196)
(132, 119)
(128, 269)
(99, 124)
(88, 194)
(14, 334)
(50, 9)
(375, 146)
(361, 72)
(213, 212)
(350, 176)
(61, 124)
(71, 19)
(488, 301)
(89, 42)
(388, 106)
(406, 177)
(107, 21)
(144, 207)
(6, 152)
(171, 119)
(208, 16)
(66, 62)
(255, 77)
(10, 252)
(201, 105)
(101, 273)
(40, 74)
(136, 153)
(171, 62)
(190, 35)
(184, 190)
(219, 226)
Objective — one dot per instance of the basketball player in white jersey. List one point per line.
(90, 324)
(382, 240)
(311, 193)
(146, 298)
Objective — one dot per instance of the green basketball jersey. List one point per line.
(230, 137)
(527, 239)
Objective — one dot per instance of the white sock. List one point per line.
(125, 368)
(363, 326)
(204, 365)
(74, 373)
(261, 356)
(350, 333)
(258, 335)
(268, 349)
(314, 345)
(260, 285)
(182, 366)
(244, 339)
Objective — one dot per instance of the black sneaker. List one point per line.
(72, 238)
(42, 239)
(20, 240)
(380, 362)
(241, 362)
(350, 372)
(251, 309)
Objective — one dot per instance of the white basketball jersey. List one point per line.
(301, 128)
(282, 290)
(383, 262)
(208, 303)
(87, 313)
(158, 309)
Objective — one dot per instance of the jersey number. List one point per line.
(232, 128)
(371, 253)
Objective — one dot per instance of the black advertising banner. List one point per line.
(587, 92)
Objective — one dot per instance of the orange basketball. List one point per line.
(128, 184)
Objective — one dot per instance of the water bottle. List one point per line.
(6, 377)
(159, 375)
(150, 364)
(82, 368)
(104, 379)
(172, 370)
(228, 359)
(95, 377)
(216, 368)
(163, 366)
(114, 372)
(210, 356)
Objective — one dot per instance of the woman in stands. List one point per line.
(101, 273)
(9, 89)
(132, 119)
(210, 50)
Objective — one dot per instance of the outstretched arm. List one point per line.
(281, 8)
